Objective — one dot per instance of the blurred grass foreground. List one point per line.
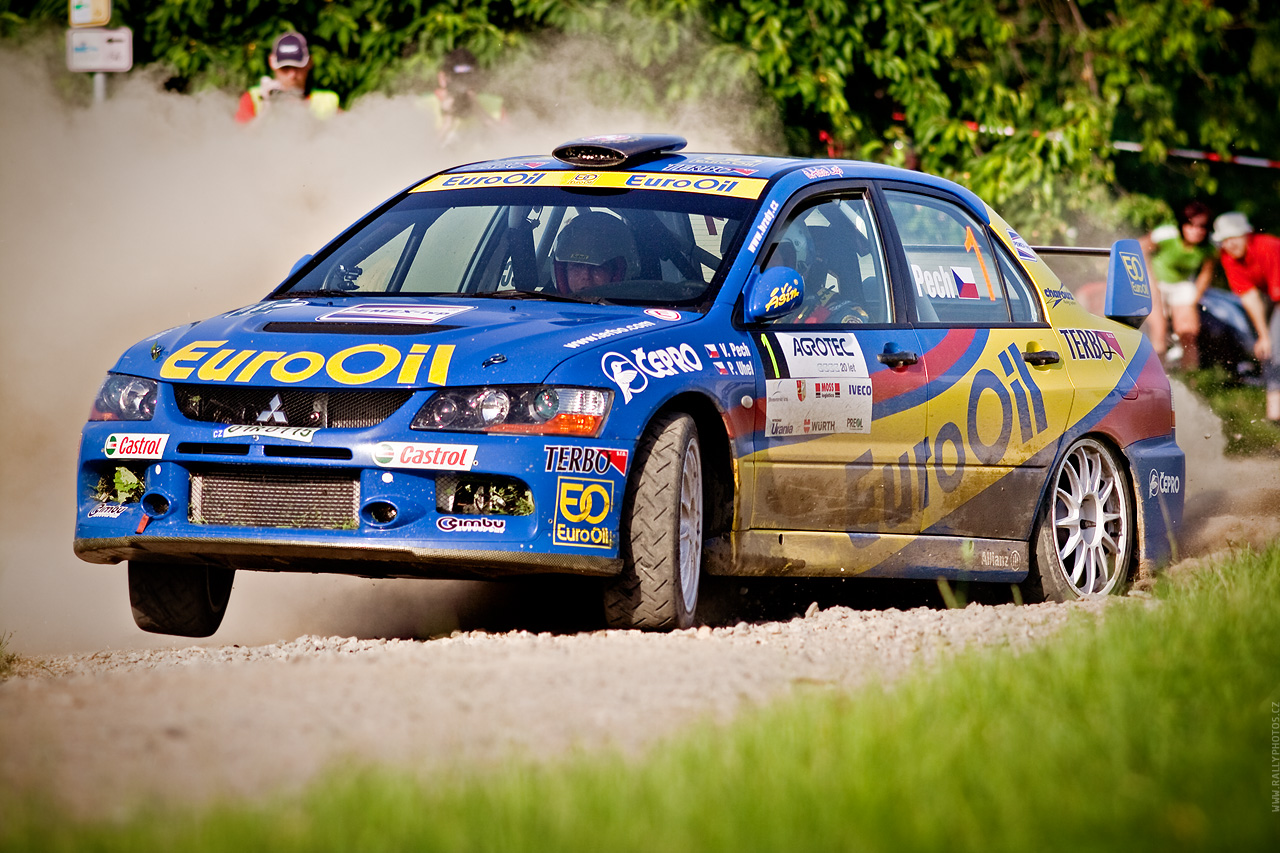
(1151, 728)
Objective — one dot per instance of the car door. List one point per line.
(999, 393)
(843, 412)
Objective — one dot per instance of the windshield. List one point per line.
(624, 246)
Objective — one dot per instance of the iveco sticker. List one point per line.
(570, 459)
(1161, 483)
(581, 507)
(424, 314)
(663, 314)
(1020, 246)
(107, 511)
(129, 445)
(1091, 344)
(435, 457)
(483, 524)
(289, 433)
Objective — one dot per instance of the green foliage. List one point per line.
(1146, 729)
(125, 487)
(1019, 100)
(1242, 409)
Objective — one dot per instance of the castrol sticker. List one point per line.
(129, 445)
(435, 457)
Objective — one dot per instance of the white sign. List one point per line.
(100, 50)
(89, 13)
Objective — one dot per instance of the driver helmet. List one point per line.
(594, 239)
(795, 249)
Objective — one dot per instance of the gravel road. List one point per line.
(106, 732)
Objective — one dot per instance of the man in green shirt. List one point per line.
(1181, 260)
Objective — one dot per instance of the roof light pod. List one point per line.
(604, 152)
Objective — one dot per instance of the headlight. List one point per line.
(539, 409)
(124, 398)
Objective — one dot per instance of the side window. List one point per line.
(1023, 305)
(834, 246)
(955, 273)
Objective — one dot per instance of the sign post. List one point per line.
(96, 50)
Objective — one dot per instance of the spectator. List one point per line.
(1181, 261)
(1252, 264)
(456, 103)
(290, 62)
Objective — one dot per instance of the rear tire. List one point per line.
(1083, 545)
(171, 598)
(661, 532)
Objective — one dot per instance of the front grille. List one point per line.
(268, 498)
(300, 407)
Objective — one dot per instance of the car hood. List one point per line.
(343, 343)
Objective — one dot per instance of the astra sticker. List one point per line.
(571, 459)
(425, 314)
(483, 524)
(285, 432)
(433, 457)
(357, 365)
(1020, 246)
(1091, 344)
(129, 445)
(107, 511)
(581, 507)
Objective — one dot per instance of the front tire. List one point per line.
(171, 598)
(1083, 545)
(661, 532)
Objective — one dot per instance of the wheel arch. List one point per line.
(719, 480)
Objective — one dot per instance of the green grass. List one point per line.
(1242, 409)
(1149, 731)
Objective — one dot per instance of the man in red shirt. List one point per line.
(1252, 264)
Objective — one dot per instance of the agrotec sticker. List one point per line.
(129, 445)
(434, 457)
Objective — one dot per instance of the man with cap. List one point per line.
(456, 104)
(1252, 264)
(290, 62)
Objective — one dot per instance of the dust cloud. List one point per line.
(156, 209)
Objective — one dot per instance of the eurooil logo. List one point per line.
(581, 507)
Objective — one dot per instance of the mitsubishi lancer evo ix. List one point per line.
(640, 365)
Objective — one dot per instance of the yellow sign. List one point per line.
(702, 184)
(89, 13)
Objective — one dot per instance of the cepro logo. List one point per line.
(581, 507)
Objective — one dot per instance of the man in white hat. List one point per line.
(1252, 264)
(290, 62)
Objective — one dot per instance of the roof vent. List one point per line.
(604, 152)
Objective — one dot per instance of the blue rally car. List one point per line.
(641, 365)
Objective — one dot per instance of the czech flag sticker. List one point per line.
(965, 281)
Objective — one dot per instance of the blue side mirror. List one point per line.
(773, 293)
(301, 262)
(1128, 284)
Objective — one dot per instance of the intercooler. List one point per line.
(276, 498)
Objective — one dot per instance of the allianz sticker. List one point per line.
(1021, 247)
(285, 432)
(425, 314)
(829, 390)
(107, 511)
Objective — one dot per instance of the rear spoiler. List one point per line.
(1128, 283)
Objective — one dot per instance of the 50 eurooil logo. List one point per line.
(582, 505)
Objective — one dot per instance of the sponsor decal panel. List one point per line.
(482, 524)
(721, 185)
(765, 222)
(1058, 296)
(609, 333)
(211, 361)
(1021, 247)
(667, 314)
(823, 172)
(572, 459)
(285, 432)
(1137, 272)
(1161, 483)
(829, 391)
(132, 445)
(425, 314)
(582, 505)
(429, 456)
(631, 372)
(1092, 344)
(107, 511)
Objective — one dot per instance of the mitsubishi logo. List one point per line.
(274, 413)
